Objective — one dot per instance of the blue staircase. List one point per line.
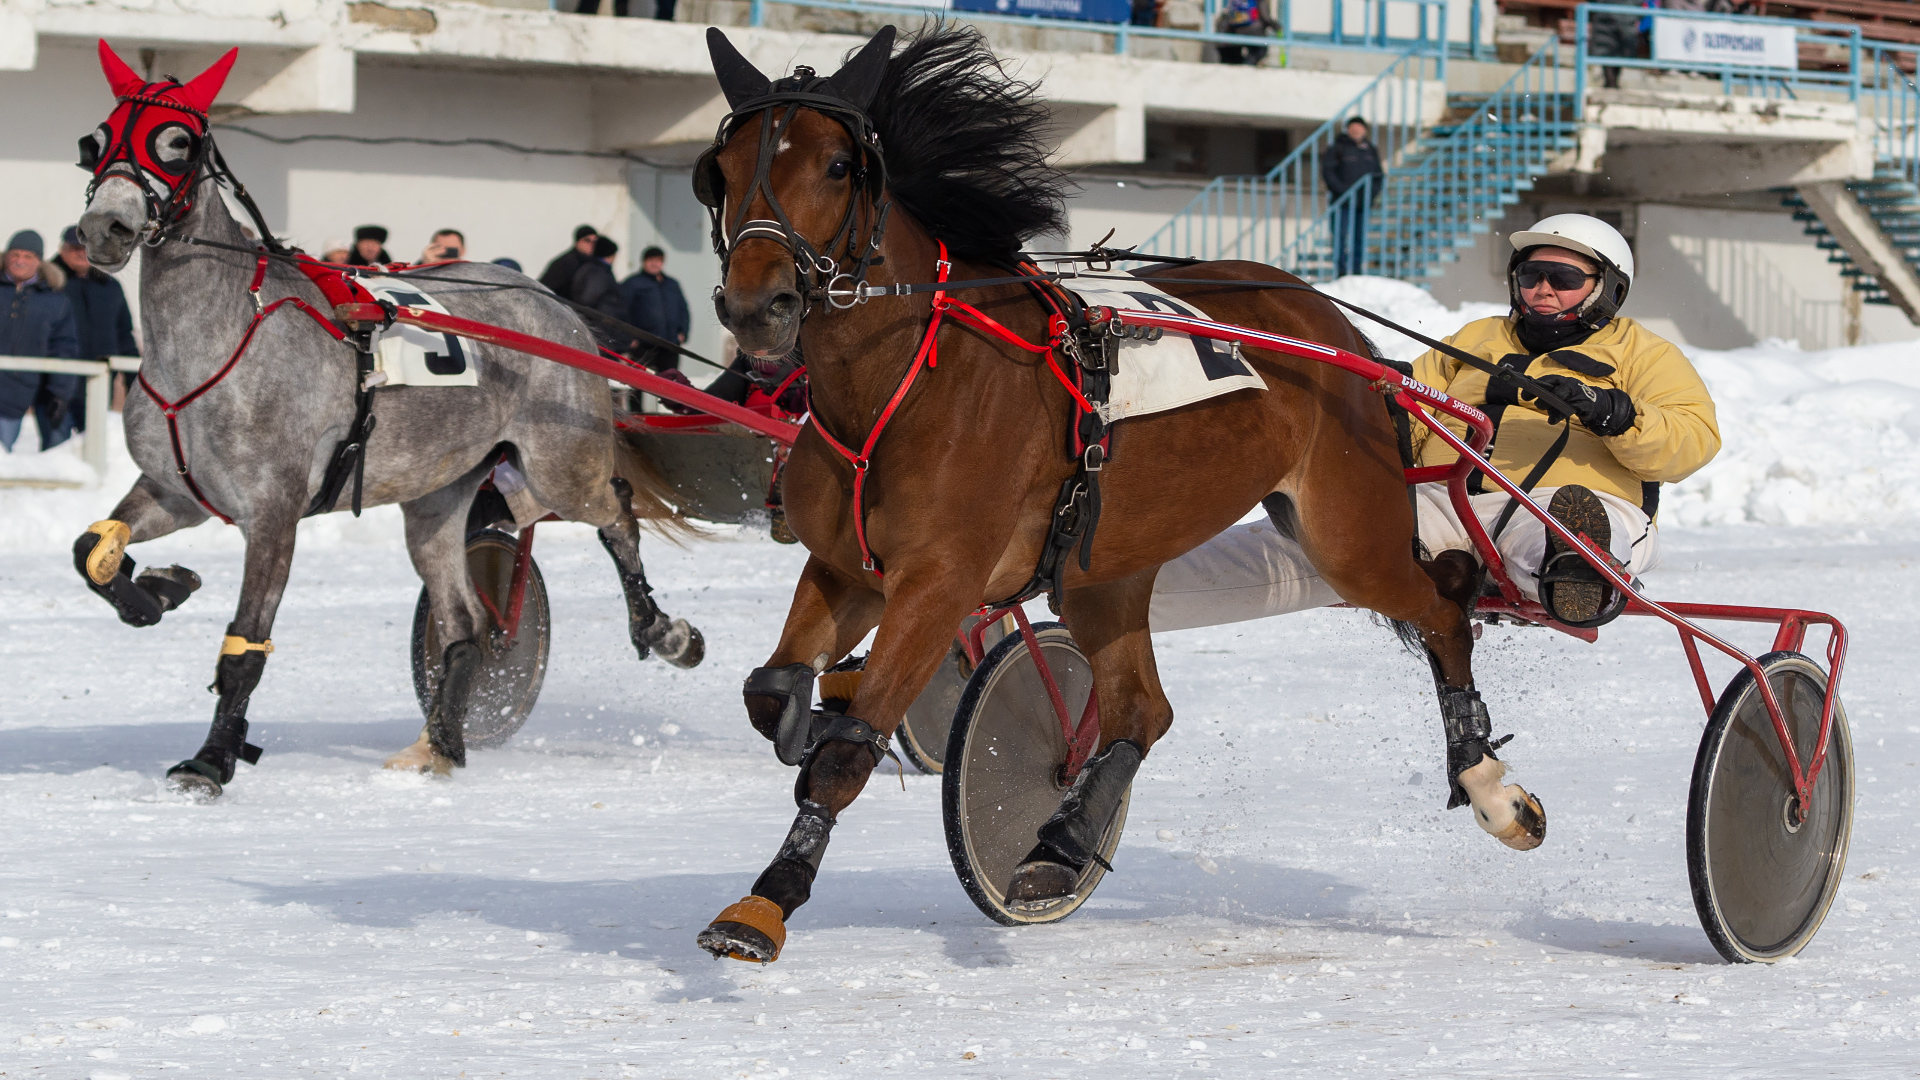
(1890, 100)
(1452, 168)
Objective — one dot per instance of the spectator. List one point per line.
(337, 252)
(1145, 13)
(1352, 159)
(101, 319)
(511, 264)
(663, 9)
(656, 304)
(1613, 33)
(369, 246)
(39, 322)
(559, 273)
(447, 245)
(594, 286)
(1249, 18)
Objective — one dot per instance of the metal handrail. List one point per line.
(1890, 101)
(1259, 217)
(1753, 80)
(1430, 37)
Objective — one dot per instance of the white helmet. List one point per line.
(1591, 237)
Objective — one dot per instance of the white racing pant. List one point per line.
(1251, 571)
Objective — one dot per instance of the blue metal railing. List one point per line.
(1261, 217)
(1890, 101)
(1428, 20)
(1443, 181)
(1840, 41)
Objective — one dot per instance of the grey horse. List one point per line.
(256, 446)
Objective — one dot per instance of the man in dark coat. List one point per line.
(1350, 160)
(100, 314)
(38, 322)
(559, 274)
(595, 286)
(369, 246)
(656, 304)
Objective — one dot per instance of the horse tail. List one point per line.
(653, 496)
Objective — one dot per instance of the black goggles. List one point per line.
(1564, 277)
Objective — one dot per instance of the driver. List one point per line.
(1641, 418)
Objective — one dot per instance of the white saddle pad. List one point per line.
(411, 356)
(1178, 369)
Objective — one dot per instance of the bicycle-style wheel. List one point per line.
(508, 682)
(1764, 870)
(1006, 758)
(928, 723)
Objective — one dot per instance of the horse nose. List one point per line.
(785, 305)
(764, 324)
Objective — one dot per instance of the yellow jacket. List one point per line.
(1674, 432)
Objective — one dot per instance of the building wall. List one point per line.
(1720, 279)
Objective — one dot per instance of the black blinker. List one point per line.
(89, 152)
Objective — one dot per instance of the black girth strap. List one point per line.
(350, 454)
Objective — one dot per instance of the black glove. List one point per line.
(1604, 411)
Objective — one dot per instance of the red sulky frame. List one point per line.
(1417, 398)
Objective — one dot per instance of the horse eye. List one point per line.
(839, 169)
(180, 142)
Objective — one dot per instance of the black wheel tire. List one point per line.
(1761, 886)
(1004, 762)
(928, 722)
(509, 679)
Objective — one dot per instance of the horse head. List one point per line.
(796, 187)
(156, 143)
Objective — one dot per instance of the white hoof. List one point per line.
(1505, 811)
(420, 758)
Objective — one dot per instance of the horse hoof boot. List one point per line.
(679, 644)
(753, 930)
(1039, 885)
(184, 779)
(169, 585)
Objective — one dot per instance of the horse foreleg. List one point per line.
(830, 614)
(147, 511)
(652, 631)
(243, 654)
(437, 543)
(1109, 623)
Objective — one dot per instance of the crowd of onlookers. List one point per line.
(61, 307)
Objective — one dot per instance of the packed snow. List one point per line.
(1290, 898)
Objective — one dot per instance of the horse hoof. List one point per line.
(1527, 829)
(420, 758)
(1041, 885)
(103, 561)
(182, 779)
(752, 930)
(680, 644)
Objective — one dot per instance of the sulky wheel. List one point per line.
(1763, 873)
(510, 675)
(1004, 759)
(928, 723)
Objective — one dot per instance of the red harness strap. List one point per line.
(928, 356)
(171, 409)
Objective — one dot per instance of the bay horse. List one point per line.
(249, 405)
(931, 165)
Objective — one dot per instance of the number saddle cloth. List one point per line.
(413, 356)
(1154, 376)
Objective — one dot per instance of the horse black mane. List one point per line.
(966, 148)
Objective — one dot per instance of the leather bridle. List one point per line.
(833, 272)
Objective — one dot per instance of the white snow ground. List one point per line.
(1290, 899)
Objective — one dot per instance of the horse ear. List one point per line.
(122, 79)
(858, 80)
(739, 79)
(204, 87)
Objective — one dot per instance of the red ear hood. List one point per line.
(122, 79)
(204, 87)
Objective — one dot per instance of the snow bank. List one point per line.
(1828, 438)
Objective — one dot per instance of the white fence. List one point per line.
(98, 373)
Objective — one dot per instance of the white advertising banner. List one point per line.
(1710, 41)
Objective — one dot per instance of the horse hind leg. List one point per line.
(436, 540)
(652, 631)
(99, 555)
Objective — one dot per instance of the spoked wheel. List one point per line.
(510, 673)
(1764, 869)
(928, 724)
(1005, 762)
